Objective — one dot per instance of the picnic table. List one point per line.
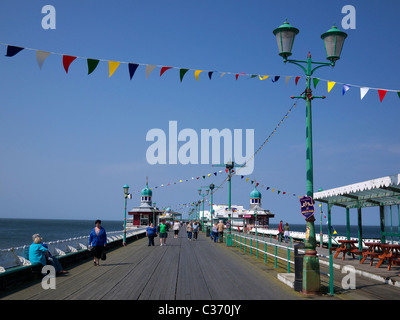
(374, 251)
(346, 246)
(391, 253)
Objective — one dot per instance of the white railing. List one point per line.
(18, 256)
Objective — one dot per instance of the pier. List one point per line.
(187, 270)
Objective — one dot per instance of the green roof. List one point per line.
(255, 194)
(146, 191)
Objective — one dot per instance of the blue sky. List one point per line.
(69, 142)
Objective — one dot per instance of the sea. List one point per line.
(18, 232)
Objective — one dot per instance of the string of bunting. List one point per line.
(92, 64)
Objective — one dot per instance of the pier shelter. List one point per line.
(146, 213)
(382, 192)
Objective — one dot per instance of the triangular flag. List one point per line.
(315, 81)
(215, 174)
(209, 174)
(253, 76)
(92, 64)
(279, 191)
(40, 57)
(182, 72)
(363, 92)
(273, 190)
(237, 75)
(296, 80)
(67, 60)
(331, 84)
(382, 94)
(132, 69)
(112, 66)
(210, 74)
(222, 74)
(263, 77)
(163, 69)
(247, 179)
(276, 78)
(398, 93)
(12, 51)
(149, 69)
(346, 88)
(196, 74)
(287, 78)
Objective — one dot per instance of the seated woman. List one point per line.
(37, 253)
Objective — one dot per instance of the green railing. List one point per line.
(256, 245)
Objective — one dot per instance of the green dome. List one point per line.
(255, 194)
(146, 191)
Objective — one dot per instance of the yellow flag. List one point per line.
(209, 174)
(330, 85)
(247, 179)
(196, 74)
(273, 190)
(263, 77)
(112, 66)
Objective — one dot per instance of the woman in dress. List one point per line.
(176, 228)
(98, 240)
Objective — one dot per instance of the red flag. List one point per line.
(382, 94)
(237, 75)
(163, 69)
(297, 80)
(67, 60)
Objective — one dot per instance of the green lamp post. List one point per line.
(333, 40)
(126, 189)
(212, 187)
(203, 195)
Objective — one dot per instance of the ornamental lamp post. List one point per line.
(212, 186)
(203, 195)
(126, 189)
(333, 41)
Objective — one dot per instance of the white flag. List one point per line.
(363, 92)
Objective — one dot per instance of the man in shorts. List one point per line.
(163, 233)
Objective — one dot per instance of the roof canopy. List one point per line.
(377, 192)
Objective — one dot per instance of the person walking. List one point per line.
(176, 228)
(97, 240)
(286, 232)
(151, 232)
(220, 229)
(280, 230)
(189, 230)
(215, 232)
(196, 228)
(163, 233)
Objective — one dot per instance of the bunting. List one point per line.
(92, 64)
(41, 57)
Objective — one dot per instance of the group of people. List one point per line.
(284, 231)
(161, 231)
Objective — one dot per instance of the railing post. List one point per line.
(288, 258)
(251, 245)
(276, 254)
(265, 253)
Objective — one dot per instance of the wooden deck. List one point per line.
(182, 270)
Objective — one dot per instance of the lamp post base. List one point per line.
(311, 274)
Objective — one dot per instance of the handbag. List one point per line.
(155, 235)
(103, 256)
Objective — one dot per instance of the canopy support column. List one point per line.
(359, 231)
